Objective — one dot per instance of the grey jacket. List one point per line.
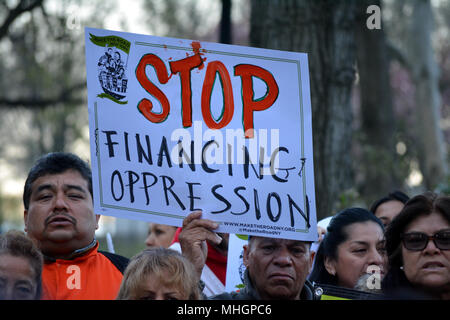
(250, 293)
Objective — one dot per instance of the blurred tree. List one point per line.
(225, 22)
(30, 39)
(325, 30)
(181, 19)
(443, 57)
(379, 169)
(412, 26)
(15, 12)
(42, 91)
(432, 149)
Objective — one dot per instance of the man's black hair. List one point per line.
(56, 163)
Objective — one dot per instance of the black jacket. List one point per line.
(250, 293)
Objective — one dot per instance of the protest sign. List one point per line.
(235, 262)
(179, 125)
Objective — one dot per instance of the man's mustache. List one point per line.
(60, 214)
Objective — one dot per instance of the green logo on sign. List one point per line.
(112, 66)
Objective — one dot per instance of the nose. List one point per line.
(283, 258)
(159, 296)
(431, 247)
(150, 242)
(60, 201)
(376, 258)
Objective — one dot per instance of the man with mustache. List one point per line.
(59, 218)
(276, 269)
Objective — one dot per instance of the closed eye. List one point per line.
(44, 197)
(381, 248)
(297, 250)
(75, 196)
(268, 248)
(24, 290)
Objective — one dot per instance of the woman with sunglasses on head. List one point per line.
(418, 248)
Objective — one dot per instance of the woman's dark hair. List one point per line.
(337, 234)
(420, 205)
(393, 196)
(56, 163)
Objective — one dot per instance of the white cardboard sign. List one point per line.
(235, 263)
(178, 125)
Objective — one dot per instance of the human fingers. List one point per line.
(193, 220)
(191, 217)
(199, 231)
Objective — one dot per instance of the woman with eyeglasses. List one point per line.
(418, 248)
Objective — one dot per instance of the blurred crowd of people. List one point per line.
(399, 248)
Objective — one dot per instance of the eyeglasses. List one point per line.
(417, 241)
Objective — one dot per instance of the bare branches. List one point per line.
(66, 95)
(22, 7)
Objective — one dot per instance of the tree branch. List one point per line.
(22, 7)
(66, 96)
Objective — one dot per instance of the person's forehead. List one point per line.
(160, 278)
(157, 226)
(68, 177)
(364, 230)
(428, 223)
(16, 266)
(391, 205)
(277, 241)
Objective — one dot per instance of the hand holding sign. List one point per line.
(193, 237)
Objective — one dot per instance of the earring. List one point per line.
(401, 268)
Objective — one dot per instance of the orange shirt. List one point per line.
(91, 276)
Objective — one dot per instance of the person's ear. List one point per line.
(245, 257)
(330, 266)
(25, 219)
(97, 218)
(311, 259)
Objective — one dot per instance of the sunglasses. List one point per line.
(417, 241)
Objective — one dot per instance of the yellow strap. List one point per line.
(327, 297)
